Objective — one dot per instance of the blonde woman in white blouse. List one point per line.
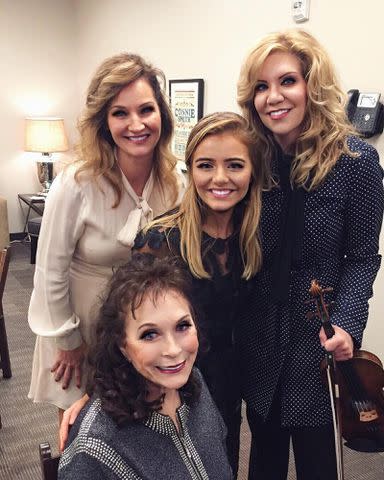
(124, 176)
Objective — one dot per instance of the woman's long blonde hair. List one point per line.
(96, 147)
(192, 212)
(325, 128)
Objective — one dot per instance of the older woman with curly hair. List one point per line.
(151, 415)
(321, 217)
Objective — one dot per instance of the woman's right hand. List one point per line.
(67, 363)
(68, 420)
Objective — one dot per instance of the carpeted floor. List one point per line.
(25, 424)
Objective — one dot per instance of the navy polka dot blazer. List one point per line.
(278, 345)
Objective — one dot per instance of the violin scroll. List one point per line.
(316, 291)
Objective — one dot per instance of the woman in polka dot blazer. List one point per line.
(321, 218)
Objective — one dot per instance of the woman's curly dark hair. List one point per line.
(120, 387)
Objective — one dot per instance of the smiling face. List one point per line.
(221, 171)
(281, 97)
(161, 341)
(134, 121)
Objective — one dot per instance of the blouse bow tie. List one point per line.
(139, 216)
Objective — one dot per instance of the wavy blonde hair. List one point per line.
(325, 128)
(96, 147)
(192, 212)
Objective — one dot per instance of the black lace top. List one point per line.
(216, 299)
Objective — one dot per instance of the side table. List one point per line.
(34, 202)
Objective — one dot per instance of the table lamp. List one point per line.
(45, 135)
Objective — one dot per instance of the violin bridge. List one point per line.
(368, 416)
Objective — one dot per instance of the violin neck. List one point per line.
(328, 329)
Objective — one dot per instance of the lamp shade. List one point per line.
(45, 135)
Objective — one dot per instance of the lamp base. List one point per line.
(45, 174)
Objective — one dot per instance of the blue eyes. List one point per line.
(152, 334)
(286, 81)
(148, 109)
(236, 165)
(230, 165)
(118, 113)
(121, 113)
(204, 165)
(181, 327)
(260, 87)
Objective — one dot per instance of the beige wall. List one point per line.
(38, 56)
(51, 48)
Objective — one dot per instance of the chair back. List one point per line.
(49, 463)
(5, 362)
(4, 264)
(4, 226)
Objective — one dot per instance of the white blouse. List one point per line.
(82, 237)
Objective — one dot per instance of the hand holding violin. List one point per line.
(341, 344)
(360, 379)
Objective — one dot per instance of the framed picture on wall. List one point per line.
(187, 101)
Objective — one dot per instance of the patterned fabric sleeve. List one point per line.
(153, 241)
(362, 230)
(215, 414)
(84, 467)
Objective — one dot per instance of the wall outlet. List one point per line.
(300, 10)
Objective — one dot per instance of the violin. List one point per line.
(361, 388)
